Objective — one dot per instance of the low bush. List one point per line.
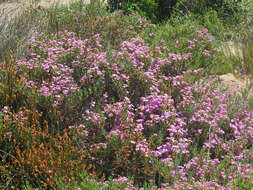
(145, 8)
(236, 9)
(136, 112)
(159, 10)
(28, 150)
(123, 104)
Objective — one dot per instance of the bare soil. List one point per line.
(11, 9)
(235, 84)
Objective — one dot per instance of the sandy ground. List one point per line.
(49, 3)
(237, 84)
(11, 9)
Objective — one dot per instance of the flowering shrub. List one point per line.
(136, 111)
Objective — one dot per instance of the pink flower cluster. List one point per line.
(142, 95)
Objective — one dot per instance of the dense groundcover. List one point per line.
(139, 112)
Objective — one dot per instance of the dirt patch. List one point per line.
(235, 84)
(10, 10)
(50, 3)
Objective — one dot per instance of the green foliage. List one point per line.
(89, 20)
(247, 65)
(236, 9)
(165, 9)
(159, 10)
(145, 8)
